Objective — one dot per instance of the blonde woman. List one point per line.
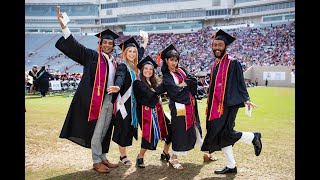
(126, 122)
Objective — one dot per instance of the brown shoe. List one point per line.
(100, 167)
(109, 164)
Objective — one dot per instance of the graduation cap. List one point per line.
(146, 60)
(107, 34)
(164, 52)
(221, 35)
(131, 42)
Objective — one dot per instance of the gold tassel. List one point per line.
(98, 90)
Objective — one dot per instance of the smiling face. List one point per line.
(131, 54)
(172, 63)
(147, 71)
(107, 46)
(219, 48)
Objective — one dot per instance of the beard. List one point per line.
(221, 54)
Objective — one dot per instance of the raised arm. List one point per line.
(69, 46)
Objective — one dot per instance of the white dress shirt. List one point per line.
(111, 72)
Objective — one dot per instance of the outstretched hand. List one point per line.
(113, 89)
(250, 104)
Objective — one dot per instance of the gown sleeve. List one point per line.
(120, 75)
(140, 53)
(236, 90)
(140, 90)
(176, 93)
(192, 82)
(75, 51)
(144, 95)
(241, 83)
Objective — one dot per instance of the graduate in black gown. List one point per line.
(89, 119)
(227, 93)
(126, 121)
(154, 124)
(42, 81)
(181, 89)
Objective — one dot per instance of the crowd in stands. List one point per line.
(260, 46)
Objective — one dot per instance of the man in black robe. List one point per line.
(227, 93)
(88, 122)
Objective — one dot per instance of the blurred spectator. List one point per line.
(42, 81)
(33, 74)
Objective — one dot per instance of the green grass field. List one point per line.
(49, 157)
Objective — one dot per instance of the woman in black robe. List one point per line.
(126, 122)
(154, 124)
(181, 88)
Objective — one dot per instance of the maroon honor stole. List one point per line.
(217, 108)
(147, 122)
(98, 88)
(189, 110)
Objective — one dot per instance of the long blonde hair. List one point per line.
(135, 62)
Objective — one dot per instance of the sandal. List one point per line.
(164, 156)
(175, 164)
(124, 160)
(140, 163)
(209, 157)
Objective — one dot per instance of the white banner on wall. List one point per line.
(55, 85)
(274, 75)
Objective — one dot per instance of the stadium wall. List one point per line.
(278, 76)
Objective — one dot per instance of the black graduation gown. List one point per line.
(123, 130)
(182, 139)
(76, 127)
(42, 82)
(220, 132)
(145, 96)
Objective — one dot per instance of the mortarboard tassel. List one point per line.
(159, 58)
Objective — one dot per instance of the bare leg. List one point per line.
(31, 88)
(142, 152)
(123, 153)
(166, 148)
